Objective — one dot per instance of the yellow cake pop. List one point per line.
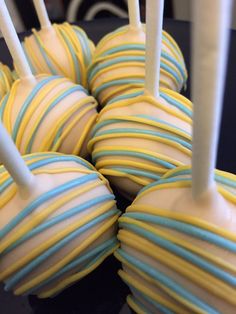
(62, 49)
(119, 61)
(57, 220)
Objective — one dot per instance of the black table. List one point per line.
(87, 296)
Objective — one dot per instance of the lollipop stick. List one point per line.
(154, 21)
(134, 13)
(13, 44)
(210, 47)
(42, 13)
(13, 162)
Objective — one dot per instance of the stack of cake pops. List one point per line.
(142, 134)
(178, 237)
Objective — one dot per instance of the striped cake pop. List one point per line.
(44, 113)
(178, 238)
(58, 49)
(142, 134)
(57, 220)
(119, 61)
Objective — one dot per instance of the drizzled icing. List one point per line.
(106, 84)
(77, 213)
(130, 145)
(6, 80)
(78, 49)
(174, 262)
(43, 101)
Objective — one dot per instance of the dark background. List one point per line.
(58, 10)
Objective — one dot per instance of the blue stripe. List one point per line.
(135, 172)
(153, 159)
(177, 104)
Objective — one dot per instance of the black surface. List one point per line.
(102, 291)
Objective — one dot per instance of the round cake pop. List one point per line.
(62, 49)
(141, 135)
(45, 113)
(57, 220)
(6, 79)
(119, 61)
(179, 255)
(178, 238)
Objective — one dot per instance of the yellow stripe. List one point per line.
(69, 57)
(128, 164)
(7, 114)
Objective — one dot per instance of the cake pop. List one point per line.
(119, 61)
(178, 239)
(58, 49)
(6, 79)
(57, 220)
(44, 113)
(141, 135)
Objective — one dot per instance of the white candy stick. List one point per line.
(13, 44)
(154, 22)
(209, 54)
(42, 13)
(134, 13)
(13, 162)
